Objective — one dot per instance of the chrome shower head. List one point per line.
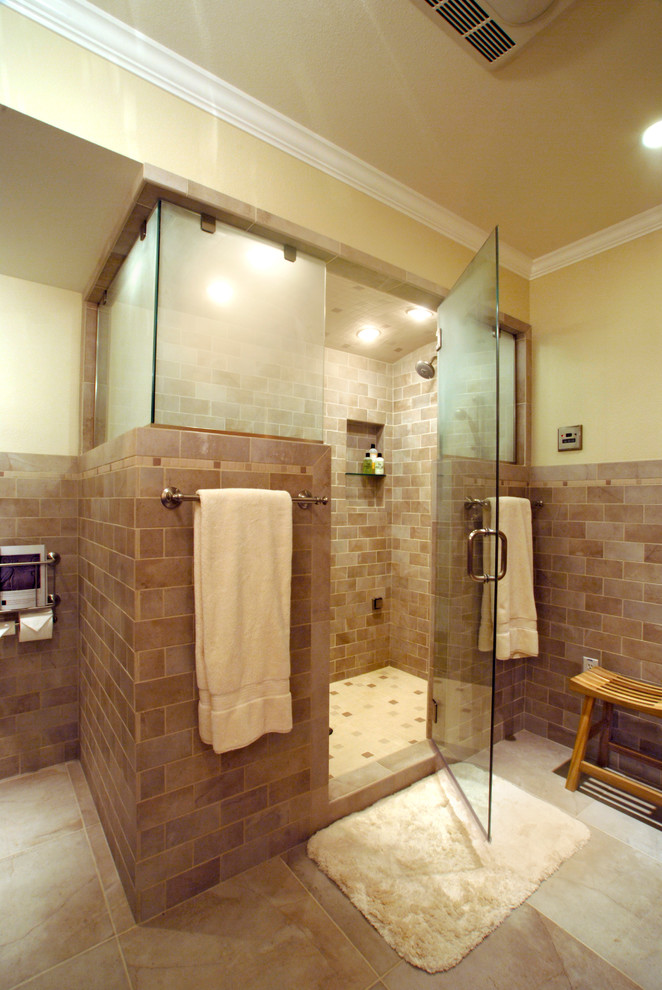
(426, 368)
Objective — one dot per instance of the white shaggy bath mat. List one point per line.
(416, 865)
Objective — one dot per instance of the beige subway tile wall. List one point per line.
(39, 680)
(598, 576)
(358, 412)
(381, 527)
(413, 463)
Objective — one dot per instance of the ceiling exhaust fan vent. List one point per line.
(478, 28)
(494, 32)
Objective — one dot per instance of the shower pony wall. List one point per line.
(178, 817)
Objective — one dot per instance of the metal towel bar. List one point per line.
(52, 559)
(171, 498)
(472, 503)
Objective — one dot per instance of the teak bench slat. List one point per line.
(624, 692)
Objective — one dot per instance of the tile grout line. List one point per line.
(48, 838)
(76, 955)
(116, 934)
(587, 947)
(337, 926)
(616, 838)
(44, 841)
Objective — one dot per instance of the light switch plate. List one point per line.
(570, 438)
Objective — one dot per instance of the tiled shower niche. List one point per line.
(360, 438)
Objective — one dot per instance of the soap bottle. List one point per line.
(368, 466)
(373, 454)
(379, 464)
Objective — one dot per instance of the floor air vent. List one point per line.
(493, 36)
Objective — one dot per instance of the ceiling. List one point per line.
(351, 306)
(63, 202)
(57, 229)
(547, 146)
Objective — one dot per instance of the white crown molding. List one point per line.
(603, 240)
(515, 260)
(98, 32)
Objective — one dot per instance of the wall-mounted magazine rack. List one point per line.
(24, 584)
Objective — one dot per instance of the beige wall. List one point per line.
(40, 331)
(597, 355)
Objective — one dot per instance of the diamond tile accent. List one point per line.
(358, 724)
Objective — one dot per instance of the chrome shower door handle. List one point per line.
(503, 562)
(503, 557)
(473, 536)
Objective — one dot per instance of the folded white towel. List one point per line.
(517, 625)
(242, 561)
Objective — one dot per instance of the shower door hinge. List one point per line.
(438, 338)
(436, 711)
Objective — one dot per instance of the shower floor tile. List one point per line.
(374, 715)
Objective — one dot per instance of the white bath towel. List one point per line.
(517, 626)
(242, 561)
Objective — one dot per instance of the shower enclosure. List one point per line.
(475, 430)
(210, 327)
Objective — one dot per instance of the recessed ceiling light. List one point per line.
(368, 334)
(652, 136)
(419, 314)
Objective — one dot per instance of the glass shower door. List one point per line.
(468, 552)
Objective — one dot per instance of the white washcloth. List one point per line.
(517, 625)
(242, 562)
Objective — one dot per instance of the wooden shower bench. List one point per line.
(622, 692)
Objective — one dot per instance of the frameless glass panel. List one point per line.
(467, 467)
(240, 341)
(125, 342)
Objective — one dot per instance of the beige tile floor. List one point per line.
(65, 925)
(373, 715)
